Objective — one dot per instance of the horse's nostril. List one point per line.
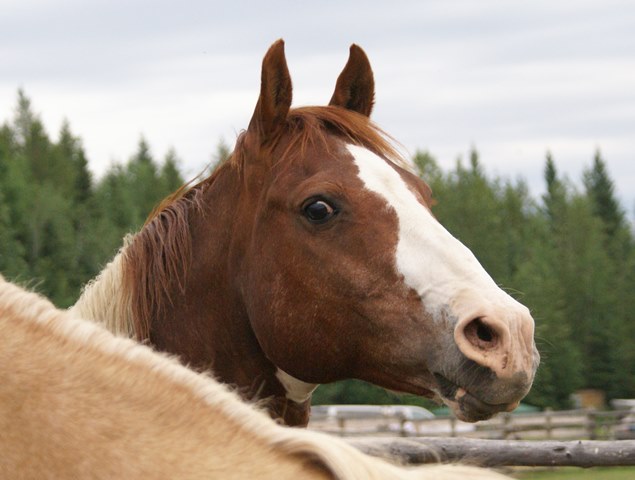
(484, 333)
(480, 334)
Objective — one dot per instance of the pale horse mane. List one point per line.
(47, 390)
(105, 299)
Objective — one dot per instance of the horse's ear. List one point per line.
(355, 88)
(275, 94)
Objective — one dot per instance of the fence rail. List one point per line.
(499, 453)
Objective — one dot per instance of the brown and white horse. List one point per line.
(312, 256)
(78, 402)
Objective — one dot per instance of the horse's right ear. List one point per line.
(355, 88)
(275, 95)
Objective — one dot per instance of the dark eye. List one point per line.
(318, 211)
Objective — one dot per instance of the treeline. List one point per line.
(58, 226)
(569, 256)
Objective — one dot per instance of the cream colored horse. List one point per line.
(78, 402)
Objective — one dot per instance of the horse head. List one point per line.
(344, 270)
(312, 255)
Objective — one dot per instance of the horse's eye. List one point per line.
(319, 211)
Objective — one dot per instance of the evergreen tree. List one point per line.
(468, 205)
(71, 174)
(554, 199)
(23, 119)
(6, 141)
(625, 351)
(518, 217)
(77, 185)
(428, 168)
(540, 278)
(32, 140)
(115, 201)
(54, 260)
(145, 186)
(618, 245)
(171, 178)
(559, 373)
(15, 183)
(587, 271)
(12, 264)
(600, 189)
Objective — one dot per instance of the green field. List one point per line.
(616, 473)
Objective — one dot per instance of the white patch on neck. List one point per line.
(104, 300)
(297, 390)
(431, 260)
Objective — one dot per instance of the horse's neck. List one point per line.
(104, 299)
(208, 331)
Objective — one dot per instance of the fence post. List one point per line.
(548, 422)
(452, 426)
(590, 421)
(507, 418)
(340, 422)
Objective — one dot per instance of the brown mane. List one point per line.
(159, 255)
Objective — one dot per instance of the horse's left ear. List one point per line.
(355, 88)
(275, 94)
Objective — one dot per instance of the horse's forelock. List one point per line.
(311, 126)
(307, 126)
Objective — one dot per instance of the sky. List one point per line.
(511, 78)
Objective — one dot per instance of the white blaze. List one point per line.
(431, 260)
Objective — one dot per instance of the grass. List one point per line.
(572, 473)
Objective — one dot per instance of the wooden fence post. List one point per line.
(549, 422)
(507, 430)
(341, 423)
(590, 423)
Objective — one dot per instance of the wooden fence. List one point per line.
(529, 439)
(548, 425)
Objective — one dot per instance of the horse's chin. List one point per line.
(465, 406)
(468, 408)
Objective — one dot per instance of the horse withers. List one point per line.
(311, 256)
